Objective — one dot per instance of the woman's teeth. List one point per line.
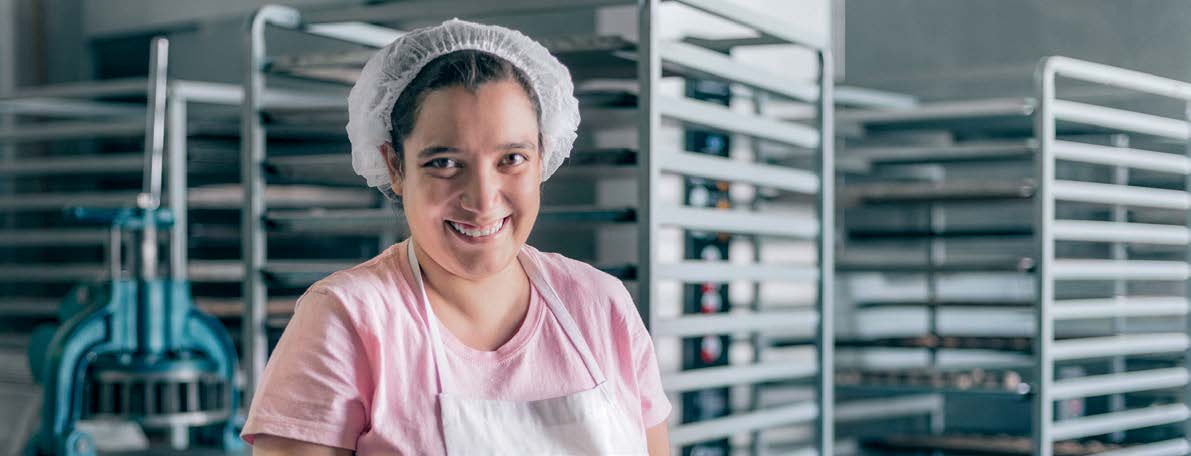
(487, 231)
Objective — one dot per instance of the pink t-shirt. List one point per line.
(354, 368)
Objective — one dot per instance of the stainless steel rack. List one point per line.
(646, 109)
(1077, 210)
(54, 161)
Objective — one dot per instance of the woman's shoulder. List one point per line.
(571, 273)
(377, 274)
(364, 288)
(577, 281)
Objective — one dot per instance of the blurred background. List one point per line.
(853, 227)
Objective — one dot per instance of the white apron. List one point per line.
(585, 423)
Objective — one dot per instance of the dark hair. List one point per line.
(467, 68)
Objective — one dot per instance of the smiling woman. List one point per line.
(462, 339)
(471, 195)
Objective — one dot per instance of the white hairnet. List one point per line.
(392, 68)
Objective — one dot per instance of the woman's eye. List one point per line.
(514, 159)
(442, 162)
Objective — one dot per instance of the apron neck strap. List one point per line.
(538, 280)
(431, 320)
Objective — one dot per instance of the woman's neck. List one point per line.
(488, 299)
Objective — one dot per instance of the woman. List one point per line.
(462, 339)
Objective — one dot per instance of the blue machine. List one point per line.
(135, 348)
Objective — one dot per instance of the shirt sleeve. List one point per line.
(655, 406)
(317, 382)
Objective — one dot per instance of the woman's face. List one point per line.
(471, 179)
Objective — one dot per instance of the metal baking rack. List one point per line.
(73, 144)
(643, 108)
(83, 144)
(1077, 213)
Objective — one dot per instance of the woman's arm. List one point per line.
(271, 445)
(657, 439)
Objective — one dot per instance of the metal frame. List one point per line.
(167, 117)
(1050, 229)
(653, 55)
(1054, 137)
(161, 119)
(162, 125)
(254, 346)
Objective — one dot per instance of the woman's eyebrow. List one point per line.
(516, 145)
(435, 150)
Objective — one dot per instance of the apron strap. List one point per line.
(431, 319)
(538, 278)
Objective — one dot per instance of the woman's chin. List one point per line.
(472, 263)
(476, 267)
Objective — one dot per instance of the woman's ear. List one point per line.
(389, 155)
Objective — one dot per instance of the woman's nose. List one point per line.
(482, 193)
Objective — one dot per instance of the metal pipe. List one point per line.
(1121, 232)
(1120, 382)
(1120, 287)
(8, 83)
(825, 250)
(252, 145)
(737, 221)
(712, 377)
(56, 201)
(58, 272)
(888, 407)
(150, 198)
(70, 108)
(1122, 156)
(54, 237)
(1120, 270)
(798, 322)
(649, 74)
(178, 181)
(1120, 119)
(701, 431)
(430, 9)
(1044, 214)
(72, 130)
(759, 342)
(1173, 447)
(693, 271)
(1108, 346)
(1120, 77)
(952, 152)
(1128, 195)
(87, 89)
(934, 256)
(951, 110)
(1127, 306)
(724, 119)
(712, 167)
(107, 163)
(764, 24)
(1187, 284)
(1108, 422)
(722, 66)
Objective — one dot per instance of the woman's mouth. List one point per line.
(478, 232)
